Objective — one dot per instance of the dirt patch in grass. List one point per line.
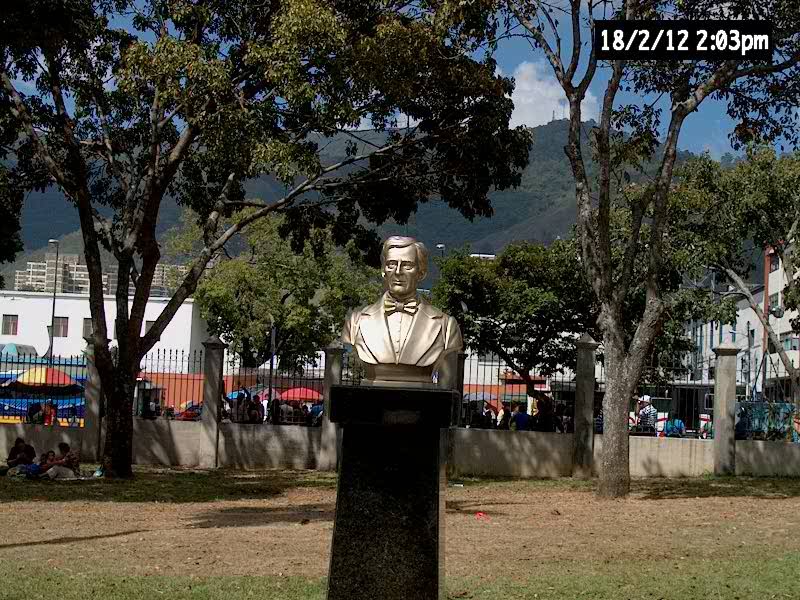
(493, 527)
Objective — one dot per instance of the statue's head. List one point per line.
(404, 263)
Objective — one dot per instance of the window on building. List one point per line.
(702, 341)
(719, 328)
(733, 331)
(60, 327)
(774, 301)
(789, 341)
(148, 325)
(752, 338)
(771, 347)
(10, 323)
(774, 263)
(87, 327)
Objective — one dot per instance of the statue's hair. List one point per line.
(401, 241)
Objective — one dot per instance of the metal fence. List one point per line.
(276, 393)
(681, 394)
(170, 385)
(42, 390)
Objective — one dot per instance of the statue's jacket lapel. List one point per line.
(373, 335)
(423, 336)
(422, 346)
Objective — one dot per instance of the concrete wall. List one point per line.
(41, 437)
(477, 452)
(175, 443)
(532, 454)
(272, 446)
(512, 453)
(777, 459)
(666, 457)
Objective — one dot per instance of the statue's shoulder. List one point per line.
(355, 315)
(432, 311)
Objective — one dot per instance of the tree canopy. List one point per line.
(305, 295)
(738, 213)
(527, 305)
(760, 95)
(123, 103)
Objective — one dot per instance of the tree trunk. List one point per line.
(118, 449)
(615, 479)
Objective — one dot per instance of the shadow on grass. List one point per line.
(168, 485)
(70, 539)
(254, 516)
(714, 487)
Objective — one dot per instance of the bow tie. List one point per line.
(410, 307)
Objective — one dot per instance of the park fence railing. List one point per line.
(680, 390)
(42, 390)
(277, 392)
(170, 385)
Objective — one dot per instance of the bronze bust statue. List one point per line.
(402, 337)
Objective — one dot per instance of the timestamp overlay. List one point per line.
(683, 40)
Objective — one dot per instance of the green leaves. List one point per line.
(528, 305)
(306, 295)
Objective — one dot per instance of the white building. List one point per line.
(26, 316)
(748, 334)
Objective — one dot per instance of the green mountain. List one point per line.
(541, 209)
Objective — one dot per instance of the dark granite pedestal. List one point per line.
(388, 538)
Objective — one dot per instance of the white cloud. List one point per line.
(538, 97)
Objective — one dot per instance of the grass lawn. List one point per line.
(235, 535)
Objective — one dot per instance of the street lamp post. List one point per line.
(441, 248)
(53, 311)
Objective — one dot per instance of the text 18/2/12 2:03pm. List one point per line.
(683, 40)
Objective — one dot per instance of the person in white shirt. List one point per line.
(647, 414)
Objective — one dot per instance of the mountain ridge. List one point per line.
(541, 209)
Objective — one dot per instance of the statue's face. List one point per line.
(401, 272)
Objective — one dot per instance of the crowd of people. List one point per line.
(22, 463)
(549, 417)
(544, 416)
(245, 407)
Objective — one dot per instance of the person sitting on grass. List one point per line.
(35, 470)
(21, 454)
(65, 466)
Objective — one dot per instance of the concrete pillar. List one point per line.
(328, 456)
(93, 402)
(455, 419)
(725, 409)
(212, 395)
(583, 449)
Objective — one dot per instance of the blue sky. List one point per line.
(538, 96)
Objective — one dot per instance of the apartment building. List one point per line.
(753, 363)
(68, 276)
(73, 277)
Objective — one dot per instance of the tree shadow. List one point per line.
(69, 540)
(716, 487)
(168, 485)
(476, 506)
(255, 516)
